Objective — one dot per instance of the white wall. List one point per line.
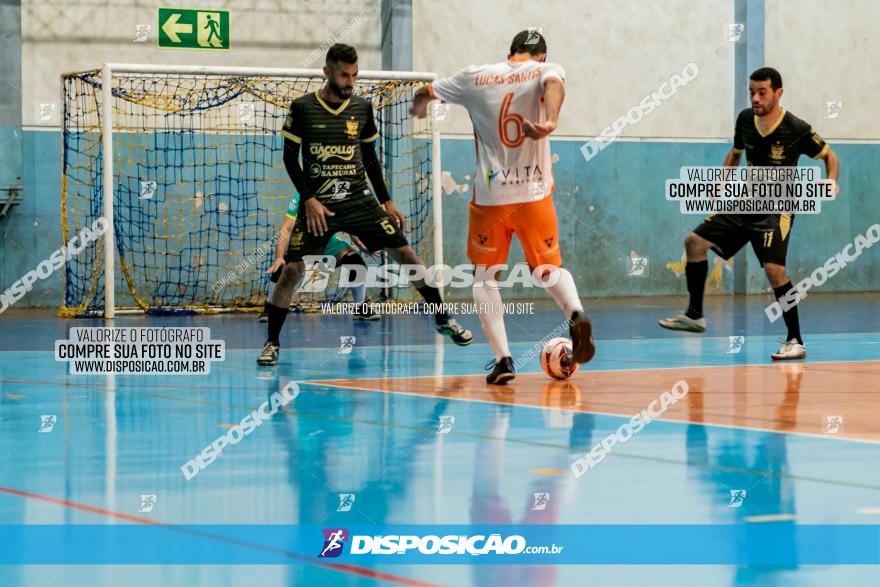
(828, 51)
(72, 35)
(614, 53)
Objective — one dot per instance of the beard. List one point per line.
(339, 92)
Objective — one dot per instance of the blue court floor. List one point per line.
(365, 423)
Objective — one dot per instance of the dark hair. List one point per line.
(767, 73)
(531, 42)
(341, 53)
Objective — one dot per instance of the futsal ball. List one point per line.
(556, 359)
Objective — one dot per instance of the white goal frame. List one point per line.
(107, 71)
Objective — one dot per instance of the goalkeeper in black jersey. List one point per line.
(335, 131)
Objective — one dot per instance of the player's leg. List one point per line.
(378, 231)
(488, 246)
(445, 324)
(770, 244)
(273, 279)
(355, 267)
(723, 234)
(301, 243)
(537, 229)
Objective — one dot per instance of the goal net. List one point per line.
(186, 164)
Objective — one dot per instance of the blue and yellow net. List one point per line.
(200, 188)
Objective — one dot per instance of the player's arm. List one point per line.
(292, 130)
(832, 166)
(451, 90)
(373, 168)
(553, 83)
(814, 146)
(316, 223)
(732, 158)
(554, 94)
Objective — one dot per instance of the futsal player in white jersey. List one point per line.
(514, 106)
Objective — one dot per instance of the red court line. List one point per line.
(353, 569)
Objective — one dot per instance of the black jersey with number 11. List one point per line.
(783, 144)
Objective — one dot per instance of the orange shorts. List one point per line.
(533, 223)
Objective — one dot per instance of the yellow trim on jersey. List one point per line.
(371, 139)
(784, 225)
(823, 152)
(331, 110)
(291, 136)
(772, 128)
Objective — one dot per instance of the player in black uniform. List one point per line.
(770, 136)
(335, 130)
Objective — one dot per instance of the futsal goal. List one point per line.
(185, 164)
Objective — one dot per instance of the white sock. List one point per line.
(564, 293)
(492, 317)
(358, 292)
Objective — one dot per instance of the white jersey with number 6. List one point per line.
(511, 168)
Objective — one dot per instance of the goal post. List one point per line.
(185, 165)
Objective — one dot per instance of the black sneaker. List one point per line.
(269, 355)
(364, 312)
(460, 336)
(502, 371)
(581, 338)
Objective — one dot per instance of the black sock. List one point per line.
(277, 316)
(792, 322)
(695, 272)
(432, 295)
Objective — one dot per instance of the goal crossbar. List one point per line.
(109, 69)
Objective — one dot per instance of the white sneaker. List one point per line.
(791, 350)
(682, 322)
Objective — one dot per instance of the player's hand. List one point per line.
(277, 264)
(835, 188)
(316, 221)
(538, 130)
(360, 244)
(395, 213)
(419, 107)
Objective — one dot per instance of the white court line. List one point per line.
(329, 383)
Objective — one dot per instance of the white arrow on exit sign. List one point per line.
(172, 28)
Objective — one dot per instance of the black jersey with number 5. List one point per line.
(784, 143)
(331, 139)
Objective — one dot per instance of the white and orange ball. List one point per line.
(556, 358)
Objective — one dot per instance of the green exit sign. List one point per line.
(183, 28)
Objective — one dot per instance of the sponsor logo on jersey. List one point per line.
(325, 152)
(515, 175)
